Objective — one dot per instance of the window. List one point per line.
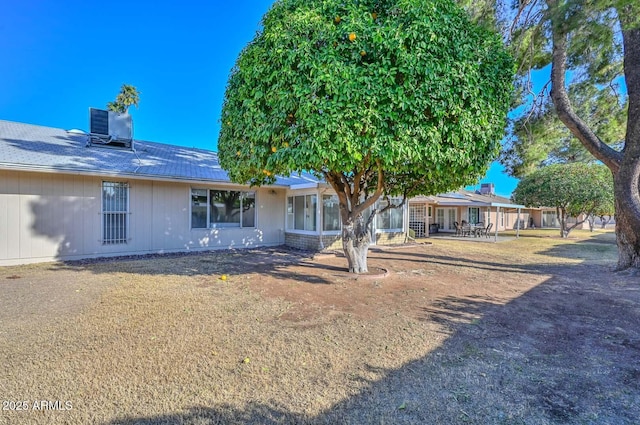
(115, 212)
(549, 219)
(330, 212)
(429, 213)
(474, 215)
(222, 208)
(301, 212)
(391, 218)
(440, 218)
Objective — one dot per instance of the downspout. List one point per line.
(518, 226)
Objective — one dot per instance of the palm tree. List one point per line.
(128, 96)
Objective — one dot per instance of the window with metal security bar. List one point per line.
(115, 212)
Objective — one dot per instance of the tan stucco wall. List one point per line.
(46, 216)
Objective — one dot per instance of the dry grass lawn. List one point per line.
(530, 331)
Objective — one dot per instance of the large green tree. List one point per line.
(575, 190)
(378, 97)
(539, 138)
(594, 44)
(128, 96)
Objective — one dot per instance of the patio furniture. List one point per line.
(467, 229)
(458, 228)
(434, 228)
(485, 231)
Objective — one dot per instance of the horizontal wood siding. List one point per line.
(48, 216)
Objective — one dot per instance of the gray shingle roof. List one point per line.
(33, 147)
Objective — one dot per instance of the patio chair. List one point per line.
(486, 231)
(466, 228)
(458, 228)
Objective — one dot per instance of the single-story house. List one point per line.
(429, 214)
(547, 218)
(68, 195)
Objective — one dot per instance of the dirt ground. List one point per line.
(536, 330)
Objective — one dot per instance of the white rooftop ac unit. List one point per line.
(487, 189)
(108, 128)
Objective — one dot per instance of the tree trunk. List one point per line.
(604, 222)
(591, 219)
(624, 165)
(627, 178)
(355, 243)
(626, 188)
(562, 217)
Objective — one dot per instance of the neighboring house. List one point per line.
(65, 195)
(547, 218)
(429, 214)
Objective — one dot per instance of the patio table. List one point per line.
(474, 229)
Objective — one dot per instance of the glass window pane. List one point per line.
(396, 218)
(310, 212)
(382, 218)
(224, 208)
(474, 215)
(330, 212)
(397, 215)
(440, 217)
(392, 218)
(198, 208)
(452, 216)
(290, 217)
(298, 211)
(248, 209)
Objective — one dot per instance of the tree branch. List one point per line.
(379, 190)
(610, 157)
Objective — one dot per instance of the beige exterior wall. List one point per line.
(507, 219)
(46, 216)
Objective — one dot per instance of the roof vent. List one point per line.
(487, 189)
(110, 129)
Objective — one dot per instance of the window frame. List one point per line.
(333, 231)
(222, 225)
(394, 200)
(291, 216)
(478, 219)
(124, 236)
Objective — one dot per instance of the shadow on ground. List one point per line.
(271, 261)
(565, 352)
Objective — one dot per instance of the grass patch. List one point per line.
(535, 330)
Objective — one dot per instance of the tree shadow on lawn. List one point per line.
(597, 247)
(271, 261)
(565, 352)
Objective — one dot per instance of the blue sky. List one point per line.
(61, 57)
